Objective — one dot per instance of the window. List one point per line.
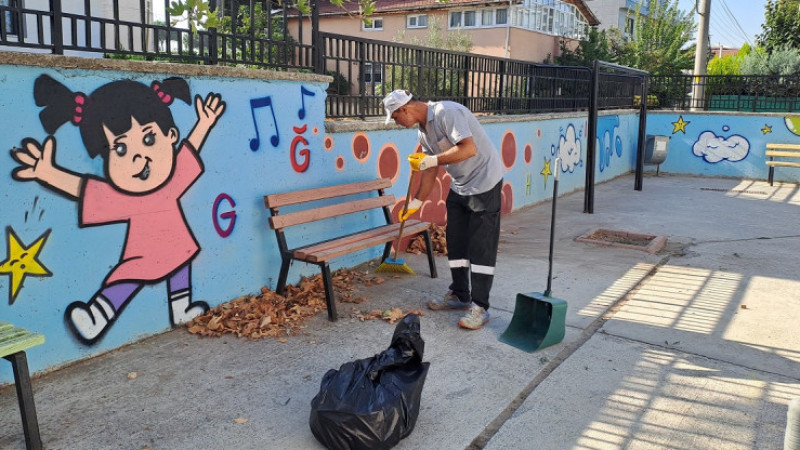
(469, 19)
(486, 17)
(417, 21)
(629, 26)
(375, 24)
(455, 19)
(373, 73)
(10, 19)
(501, 16)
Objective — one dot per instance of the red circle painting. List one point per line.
(389, 162)
(508, 149)
(328, 143)
(340, 163)
(528, 154)
(361, 146)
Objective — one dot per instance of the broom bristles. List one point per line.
(394, 265)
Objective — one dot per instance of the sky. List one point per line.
(723, 29)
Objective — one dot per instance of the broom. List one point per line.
(394, 264)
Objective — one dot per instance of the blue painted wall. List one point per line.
(224, 208)
(723, 144)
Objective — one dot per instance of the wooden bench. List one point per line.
(13, 343)
(321, 253)
(791, 151)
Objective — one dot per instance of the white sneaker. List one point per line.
(474, 318)
(182, 310)
(90, 320)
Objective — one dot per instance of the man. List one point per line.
(451, 136)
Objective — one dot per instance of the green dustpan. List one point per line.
(539, 320)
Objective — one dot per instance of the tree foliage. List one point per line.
(729, 64)
(596, 46)
(782, 61)
(660, 40)
(781, 26)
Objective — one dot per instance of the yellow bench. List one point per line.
(791, 151)
(13, 343)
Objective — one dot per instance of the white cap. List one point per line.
(394, 100)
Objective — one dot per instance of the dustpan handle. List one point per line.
(553, 226)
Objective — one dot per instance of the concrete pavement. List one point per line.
(694, 347)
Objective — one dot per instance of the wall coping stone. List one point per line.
(160, 67)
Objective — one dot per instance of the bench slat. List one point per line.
(782, 164)
(13, 340)
(783, 153)
(307, 195)
(354, 246)
(783, 146)
(394, 228)
(326, 212)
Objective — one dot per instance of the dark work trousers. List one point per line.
(473, 231)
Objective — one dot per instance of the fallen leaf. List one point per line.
(240, 420)
(132, 375)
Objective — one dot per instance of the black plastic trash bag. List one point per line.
(373, 403)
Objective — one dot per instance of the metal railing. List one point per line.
(366, 70)
(256, 34)
(129, 30)
(752, 93)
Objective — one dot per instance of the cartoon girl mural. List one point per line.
(131, 126)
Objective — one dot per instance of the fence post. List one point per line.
(213, 51)
(637, 184)
(465, 92)
(591, 137)
(56, 30)
(501, 95)
(362, 84)
(316, 40)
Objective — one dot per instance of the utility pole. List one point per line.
(701, 54)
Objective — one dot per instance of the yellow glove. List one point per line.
(421, 161)
(413, 206)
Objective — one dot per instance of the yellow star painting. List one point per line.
(22, 261)
(680, 125)
(766, 129)
(546, 170)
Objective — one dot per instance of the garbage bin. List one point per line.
(655, 149)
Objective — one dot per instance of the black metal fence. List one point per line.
(253, 34)
(754, 93)
(257, 34)
(366, 70)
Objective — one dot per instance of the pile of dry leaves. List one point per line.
(417, 245)
(270, 314)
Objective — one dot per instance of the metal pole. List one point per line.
(641, 141)
(56, 29)
(701, 55)
(591, 137)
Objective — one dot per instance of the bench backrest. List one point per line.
(280, 221)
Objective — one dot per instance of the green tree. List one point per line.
(782, 61)
(729, 64)
(660, 40)
(596, 46)
(781, 26)
(426, 78)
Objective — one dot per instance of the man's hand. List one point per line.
(421, 161)
(413, 206)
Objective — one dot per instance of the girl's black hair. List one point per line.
(112, 105)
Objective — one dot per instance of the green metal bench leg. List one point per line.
(22, 379)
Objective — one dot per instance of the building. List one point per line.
(620, 14)
(528, 30)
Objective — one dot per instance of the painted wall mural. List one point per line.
(147, 171)
(73, 257)
(722, 144)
